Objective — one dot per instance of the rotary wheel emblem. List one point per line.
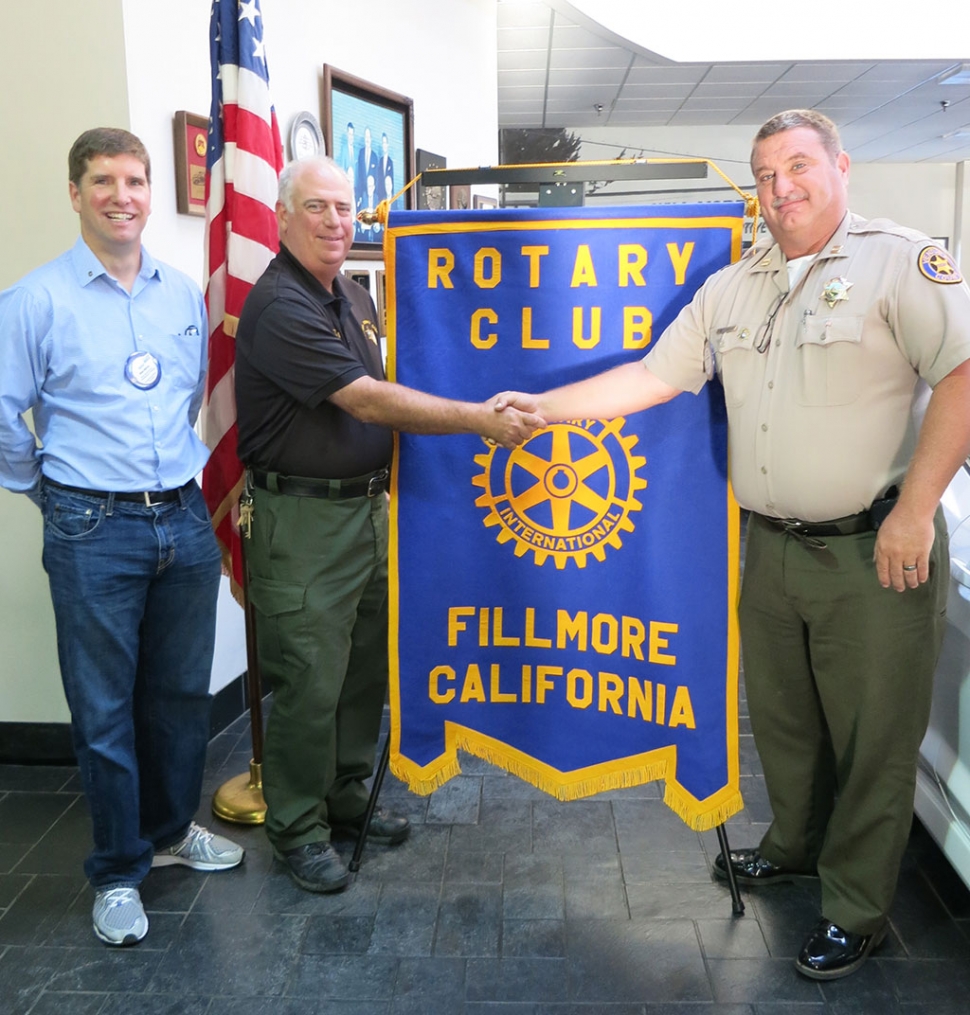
(566, 493)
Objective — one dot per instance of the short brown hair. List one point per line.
(826, 130)
(104, 141)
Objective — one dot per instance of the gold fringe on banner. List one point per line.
(622, 773)
(686, 808)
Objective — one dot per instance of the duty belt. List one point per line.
(371, 485)
(850, 525)
(810, 533)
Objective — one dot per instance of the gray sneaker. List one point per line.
(118, 916)
(201, 850)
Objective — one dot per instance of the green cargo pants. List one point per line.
(318, 584)
(839, 676)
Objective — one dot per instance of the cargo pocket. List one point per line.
(283, 637)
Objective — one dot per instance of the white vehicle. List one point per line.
(943, 778)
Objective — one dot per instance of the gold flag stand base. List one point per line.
(240, 800)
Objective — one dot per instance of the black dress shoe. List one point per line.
(385, 828)
(751, 868)
(315, 867)
(830, 952)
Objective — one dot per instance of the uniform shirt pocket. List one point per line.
(734, 353)
(830, 369)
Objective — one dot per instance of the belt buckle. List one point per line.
(375, 485)
(799, 529)
(147, 494)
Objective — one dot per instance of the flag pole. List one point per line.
(240, 799)
(244, 157)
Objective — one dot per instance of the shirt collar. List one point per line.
(87, 267)
(310, 280)
(772, 259)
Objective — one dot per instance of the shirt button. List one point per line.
(764, 426)
(745, 333)
(764, 471)
(771, 384)
(770, 506)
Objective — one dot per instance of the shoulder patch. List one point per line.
(937, 265)
(370, 332)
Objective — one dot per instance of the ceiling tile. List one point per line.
(521, 59)
(560, 76)
(677, 73)
(522, 78)
(633, 93)
(834, 71)
(522, 38)
(754, 72)
(589, 58)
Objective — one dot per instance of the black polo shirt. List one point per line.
(296, 344)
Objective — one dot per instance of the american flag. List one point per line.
(243, 165)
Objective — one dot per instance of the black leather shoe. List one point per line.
(315, 867)
(751, 868)
(385, 828)
(830, 952)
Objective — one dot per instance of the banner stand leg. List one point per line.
(737, 906)
(379, 774)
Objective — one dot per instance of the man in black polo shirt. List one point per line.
(315, 429)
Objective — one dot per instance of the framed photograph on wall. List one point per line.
(481, 201)
(431, 198)
(460, 197)
(369, 130)
(359, 276)
(191, 145)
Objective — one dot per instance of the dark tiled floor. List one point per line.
(503, 902)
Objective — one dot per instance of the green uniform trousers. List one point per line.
(318, 585)
(839, 676)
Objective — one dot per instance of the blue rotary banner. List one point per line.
(564, 610)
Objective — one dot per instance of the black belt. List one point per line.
(147, 497)
(332, 489)
(850, 525)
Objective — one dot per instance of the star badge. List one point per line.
(836, 290)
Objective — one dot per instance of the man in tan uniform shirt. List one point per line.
(821, 340)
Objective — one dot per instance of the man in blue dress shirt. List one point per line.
(108, 348)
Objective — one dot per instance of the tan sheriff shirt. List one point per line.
(819, 381)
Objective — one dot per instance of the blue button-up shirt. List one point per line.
(66, 333)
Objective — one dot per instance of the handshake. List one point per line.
(510, 418)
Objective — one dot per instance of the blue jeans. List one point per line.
(134, 591)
